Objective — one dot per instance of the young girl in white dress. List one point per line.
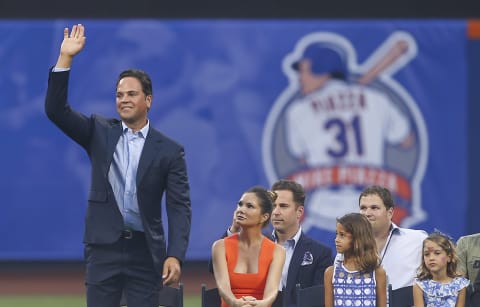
(437, 283)
(357, 279)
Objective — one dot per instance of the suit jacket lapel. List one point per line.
(150, 150)
(113, 136)
(295, 263)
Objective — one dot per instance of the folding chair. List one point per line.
(313, 296)
(401, 297)
(210, 297)
(169, 297)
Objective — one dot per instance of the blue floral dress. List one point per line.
(437, 294)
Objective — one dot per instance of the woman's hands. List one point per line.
(250, 301)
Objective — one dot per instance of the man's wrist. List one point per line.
(64, 61)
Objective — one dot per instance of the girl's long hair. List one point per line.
(364, 248)
(445, 243)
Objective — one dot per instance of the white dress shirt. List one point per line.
(402, 255)
(289, 246)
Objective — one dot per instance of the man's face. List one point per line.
(309, 82)
(132, 103)
(374, 209)
(286, 214)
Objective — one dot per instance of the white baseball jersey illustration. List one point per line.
(341, 124)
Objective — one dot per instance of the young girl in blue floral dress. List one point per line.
(357, 279)
(437, 283)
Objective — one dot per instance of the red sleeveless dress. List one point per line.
(252, 284)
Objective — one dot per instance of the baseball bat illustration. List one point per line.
(398, 49)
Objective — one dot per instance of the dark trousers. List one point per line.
(124, 266)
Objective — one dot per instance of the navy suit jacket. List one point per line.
(305, 270)
(161, 168)
(309, 261)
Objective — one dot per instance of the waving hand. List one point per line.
(72, 44)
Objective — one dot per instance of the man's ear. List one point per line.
(148, 100)
(300, 211)
(390, 212)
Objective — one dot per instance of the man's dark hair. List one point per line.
(381, 192)
(293, 186)
(141, 76)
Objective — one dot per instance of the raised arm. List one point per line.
(72, 44)
(234, 228)
(73, 123)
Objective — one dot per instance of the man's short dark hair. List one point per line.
(141, 76)
(381, 192)
(293, 186)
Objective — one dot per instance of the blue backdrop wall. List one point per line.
(226, 89)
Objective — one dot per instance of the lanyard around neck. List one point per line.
(388, 242)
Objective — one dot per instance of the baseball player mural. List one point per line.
(341, 126)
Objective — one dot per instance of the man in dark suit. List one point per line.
(306, 259)
(132, 166)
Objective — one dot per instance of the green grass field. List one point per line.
(65, 301)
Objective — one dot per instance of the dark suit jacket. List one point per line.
(303, 271)
(306, 273)
(161, 169)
